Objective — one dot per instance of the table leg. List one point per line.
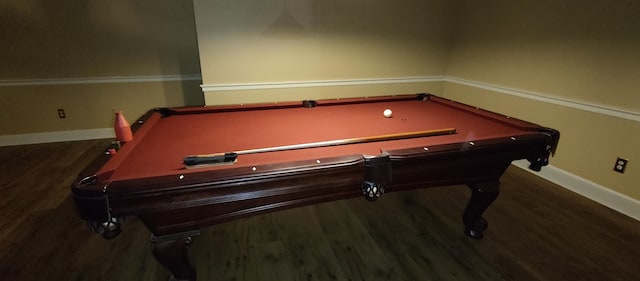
(482, 195)
(171, 252)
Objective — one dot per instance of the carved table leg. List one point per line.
(171, 252)
(482, 195)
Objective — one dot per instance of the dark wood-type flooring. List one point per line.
(538, 231)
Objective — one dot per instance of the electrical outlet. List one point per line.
(621, 165)
(61, 113)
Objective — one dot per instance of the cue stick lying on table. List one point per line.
(230, 157)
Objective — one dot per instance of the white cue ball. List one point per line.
(387, 113)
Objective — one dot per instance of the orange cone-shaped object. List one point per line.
(122, 128)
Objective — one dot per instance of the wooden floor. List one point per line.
(538, 231)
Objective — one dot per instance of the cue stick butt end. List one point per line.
(210, 159)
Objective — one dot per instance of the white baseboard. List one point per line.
(320, 83)
(598, 193)
(59, 136)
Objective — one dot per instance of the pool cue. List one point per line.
(231, 156)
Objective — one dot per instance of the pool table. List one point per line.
(148, 177)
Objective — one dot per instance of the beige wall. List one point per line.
(585, 51)
(322, 92)
(278, 41)
(33, 109)
(81, 40)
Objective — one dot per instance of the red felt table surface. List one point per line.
(160, 145)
